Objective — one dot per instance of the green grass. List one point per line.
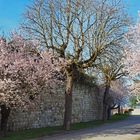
(39, 132)
(32, 133)
(118, 117)
(92, 124)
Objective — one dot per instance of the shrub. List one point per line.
(126, 112)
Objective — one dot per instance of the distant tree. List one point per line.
(24, 74)
(118, 95)
(132, 60)
(110, 72)
(133, 101)
(79, 31)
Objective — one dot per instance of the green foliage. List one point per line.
(133, 102)
(118, 117)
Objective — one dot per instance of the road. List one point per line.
(128, 129)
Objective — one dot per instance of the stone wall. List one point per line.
(87, 106)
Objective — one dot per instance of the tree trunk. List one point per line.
(105, 105)
(119, 109)
(68, 102)
(109, 113)
(5, 112)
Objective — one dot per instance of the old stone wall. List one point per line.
(87, 106)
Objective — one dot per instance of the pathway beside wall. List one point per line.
(124, 130)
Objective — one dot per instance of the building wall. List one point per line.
(87, 106)
(136, 110)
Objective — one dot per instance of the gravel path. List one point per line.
(124, 130)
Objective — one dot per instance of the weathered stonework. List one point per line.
(87, 106)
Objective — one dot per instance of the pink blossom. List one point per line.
(25, 72)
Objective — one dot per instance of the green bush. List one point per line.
(126, 112)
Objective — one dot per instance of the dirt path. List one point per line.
(124, 130)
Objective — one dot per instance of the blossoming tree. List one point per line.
(132, 61)
(24, 73)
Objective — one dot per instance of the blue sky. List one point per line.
(133, 6)
(11, 12)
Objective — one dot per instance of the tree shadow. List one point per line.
(129, 126)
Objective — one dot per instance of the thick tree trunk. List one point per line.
(5, 112)
(105, 104)
(68, 102)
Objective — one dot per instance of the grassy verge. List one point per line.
(35, 133)
(118, 117)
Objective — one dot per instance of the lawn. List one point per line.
(35, 133)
